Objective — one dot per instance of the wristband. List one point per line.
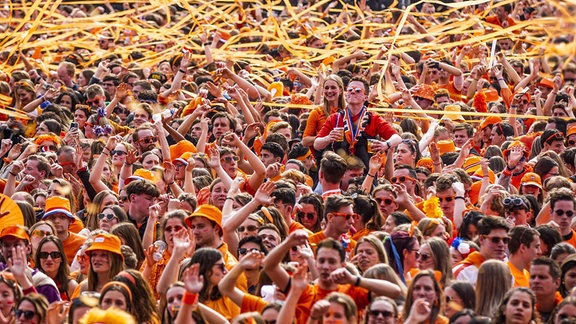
(45, 104)
(500, 79)
(14, 174)
(127, 164)
(229, 198)
(183, 71)
(459, 197)
(7, 160)
(105, 153)
(372, 176)
(190, 298)
(357, 283)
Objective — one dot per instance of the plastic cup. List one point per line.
(341, 130)
(159, 248)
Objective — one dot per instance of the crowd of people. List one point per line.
(288, 162)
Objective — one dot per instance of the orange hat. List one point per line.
(491, 95)
(450, 112)
(106, 242)
(479, 174)
(571, 130)
(181, 147)
(57, 205)
(12, 214)
(209, 212)
(276, 89)
(15, 231)
(446, 146)
(184, 158)
(490, 120)
(531, 179)
(425, 91)
(141, 174)
(300, 99)
(546, 82)
(513, 144)
(472, 164)
(426, 162)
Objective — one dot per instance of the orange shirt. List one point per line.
(320, 236)
(225, 306)
(572, 240)
(521, 277)
(314, 293)
(296, 226)
(72, 244)
(251, 303)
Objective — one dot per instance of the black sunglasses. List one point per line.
(108, 217)
(242, 251)
(28, 314)
(561, 212)
(424, 257)
(386, 201)
(448, 199)
(53, 255)
(301, 215)
(149, 140)
(117, 152)
(496, 240)
(249, 228)
(385, 314)
(124, 199)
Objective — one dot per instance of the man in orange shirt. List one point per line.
(333, 276)
(339, 216)
(502, 17)
(58, 212)
(524, 246)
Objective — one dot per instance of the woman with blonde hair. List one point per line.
(494, 281)
(424, 301)
(435, 255)
(369, 251)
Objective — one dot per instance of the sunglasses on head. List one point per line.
(355, 90)
(555, 137)
(510, 203)
(148, 140)
(117, 152)
(242, 251)
(560, 212)
(28, 314)
(301, 215)
(249, 228)
(229, 159)
(401, 179)
(53, 255)
(108, 217)
(448, 199)
(496, 239)
(384, 313)
(387, 201)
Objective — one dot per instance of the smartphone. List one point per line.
(73, 125)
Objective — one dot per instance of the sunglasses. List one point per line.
(53, 255)
(376, 313)
(510, 203)
(243, 251)
(569, 213)
(108, 217)
(221, 266)
(173, 228)
(448, 199)
(148, 140)
(355, 90)
(92, 101)
(424, 257)
(555, 137)
(41, 233)
(118, 152)
(301, 215)
(496, 239)
(28, 314)
(346, 216)
(386, 201)
(124, 199)
(249, 228)
(401, 179)
(570, 142)
(229, 159)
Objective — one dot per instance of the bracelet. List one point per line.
(554, 92)
(500, 79)
(105, 153)
(459, 197)
(357, 283)
(14, 174)
(183, 71)
(171, 183)
(485, 176)
(229, 198)
(127, 164)
(190, 298)
(369, 175)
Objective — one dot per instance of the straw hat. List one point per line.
(209, 212)
(106, 242)
(57, 205)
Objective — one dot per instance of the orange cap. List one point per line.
(106, 242)
(209, 212)
(141, 174)
(180, 148)
(531, 178)
(490, 120)
(546, 82)
(15, 231)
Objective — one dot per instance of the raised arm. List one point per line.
(96, 174)
(259, 169)
(300, 281)
(377, 286)
(272, 261)
(227, 287)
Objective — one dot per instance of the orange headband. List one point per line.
(120, 284)
(303, 157)
(266, 213)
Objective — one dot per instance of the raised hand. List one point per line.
(214, 161)
(193, 281)
(263, 193)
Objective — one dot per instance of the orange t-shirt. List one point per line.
(72, 244)
(521, 277)
(314, 293)
(320, 236)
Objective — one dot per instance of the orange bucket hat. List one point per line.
(141, 174)
(209, 212)
(425, 91)
(57, 205)
(106, 242)
(490, 120)
(180, 148)
(446, 146)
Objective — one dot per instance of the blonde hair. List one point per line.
(494, 280)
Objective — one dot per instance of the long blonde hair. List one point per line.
(341, 102)
(494, 280)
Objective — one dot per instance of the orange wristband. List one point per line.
(190, 298)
